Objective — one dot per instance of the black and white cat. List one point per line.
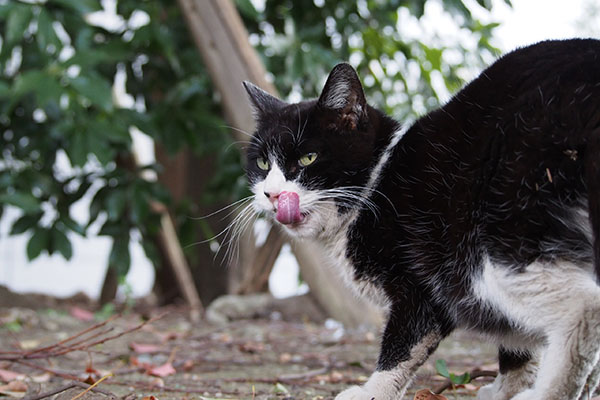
(484, 214)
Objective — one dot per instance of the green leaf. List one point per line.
(460, 379)
(46, 36)
(279, 388)
(16, 24)
(45, 87)
(119, 258)
(151, 252)
(13, 326)
(25, 223)
(111, 228)
(4, 89)
(114, 130)
(61, 243)
(442, 368)
(39, 241)
(25, 201)
(77, 149)
(72, 224)
(247, 9)
(94, 88)
(97, 205)
(115, 204)
(139, 206)
(81, 6)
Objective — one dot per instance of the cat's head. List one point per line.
(308, 163)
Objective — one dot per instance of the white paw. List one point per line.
(355, 393)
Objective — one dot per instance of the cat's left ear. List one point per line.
(343, 93)
(262, 101)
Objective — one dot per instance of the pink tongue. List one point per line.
(288, 208)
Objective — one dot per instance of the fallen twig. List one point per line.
(60, 348)
(92, 386)
(70, 338)
(70, 385)
(305, 375)
(476, 373)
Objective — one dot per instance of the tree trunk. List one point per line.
(186, 176)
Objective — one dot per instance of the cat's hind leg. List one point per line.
(517, 373)
(560, 304)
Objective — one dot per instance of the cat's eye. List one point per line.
(307, 159)
(262, 164)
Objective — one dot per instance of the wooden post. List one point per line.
(222, 39)
(169, 245)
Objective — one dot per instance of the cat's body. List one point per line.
(484, 214)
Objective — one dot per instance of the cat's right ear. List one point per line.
(343, 93)
(262, 102)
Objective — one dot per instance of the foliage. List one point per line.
(64, 133)
(398, 60)
(442, 369)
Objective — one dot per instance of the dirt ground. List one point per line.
(170, 357)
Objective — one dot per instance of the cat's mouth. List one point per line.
(288, 209)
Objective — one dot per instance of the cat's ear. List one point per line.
(262, 102)
(343, 92)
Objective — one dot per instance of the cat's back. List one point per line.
(552, 66)
(506, 158)
(533, 134)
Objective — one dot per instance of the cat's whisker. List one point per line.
(240, 131)
(232, 244)
(236, 204)
(247, 209)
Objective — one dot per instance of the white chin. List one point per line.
(304, 229)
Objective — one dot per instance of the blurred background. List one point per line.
(119, 145)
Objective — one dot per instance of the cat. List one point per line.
(481, 215)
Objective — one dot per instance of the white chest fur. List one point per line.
(337, 250)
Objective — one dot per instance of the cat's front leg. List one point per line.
(410, 337)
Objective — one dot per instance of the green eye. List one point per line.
(307, 159)
(262, 164)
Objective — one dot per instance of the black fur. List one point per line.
(497, 172)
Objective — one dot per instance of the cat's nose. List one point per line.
(272, 196)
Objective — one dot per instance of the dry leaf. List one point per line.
(157, 382)
(167, 336)
(188, 365)
(335, 377)
(252, 347)
(162, 370)
(41, 378)
(29, 344)
(149, 398)
(17, 386)
(425, 394)
(144, 348)
(81, 314)
(14, 386)
(8, 376)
